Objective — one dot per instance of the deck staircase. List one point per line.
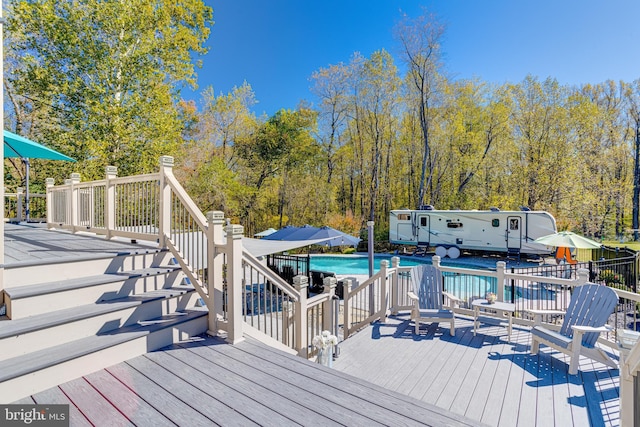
(68, 318)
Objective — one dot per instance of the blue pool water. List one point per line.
(460, 285)
(354, 264)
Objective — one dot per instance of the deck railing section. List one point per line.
(369, 301)
(237, 288)
(16, 208)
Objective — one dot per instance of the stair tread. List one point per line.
(19, 292)
(32, 362)
(46, 320)
(87, 257)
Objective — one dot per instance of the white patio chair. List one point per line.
(585, 318)
(427, 296)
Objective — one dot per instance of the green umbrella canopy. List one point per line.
(21, 147)
(567, 239)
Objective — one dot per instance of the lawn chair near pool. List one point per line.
(428, 295)
(585, 318)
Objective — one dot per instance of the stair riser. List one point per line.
(56, 335)
(34, 274)
(30, 306)
(21, 387)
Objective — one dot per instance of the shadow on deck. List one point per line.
(485, 378)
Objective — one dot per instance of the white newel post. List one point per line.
(582, 276)
(49, 182)
(110, 173)
(234, 283)
(20, 203)
(301, 333)
(74, 181)
(215, 260)
(164, 222)
(330, 284)
(384, 291)
(435, 261)
(346, 318)
(395, 294)
(501, 266)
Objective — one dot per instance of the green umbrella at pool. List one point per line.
(568, 239)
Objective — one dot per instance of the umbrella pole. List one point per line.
(26, 199)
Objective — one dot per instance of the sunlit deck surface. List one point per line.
(26, 244)
(484, 377)
(209, 382)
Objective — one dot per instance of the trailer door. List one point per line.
(423, 229)
(514, 233)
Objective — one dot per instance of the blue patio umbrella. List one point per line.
(337, 238)
(333, 237)
(282, 233)
(16, 146)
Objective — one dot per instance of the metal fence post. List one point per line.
(500, 267)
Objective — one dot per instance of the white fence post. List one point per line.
(301, 332)
(582, 276)
(384, 294)
(19, 203)
(50, 182)
(164, 222)
(395, 294)
(235, 286)
(346, 318)
(75, 179)
(215, 262)
(330, 284)
(110, 172)
(500, 268)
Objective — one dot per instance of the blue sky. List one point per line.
(275, 45)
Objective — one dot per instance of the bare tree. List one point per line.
(420, 44)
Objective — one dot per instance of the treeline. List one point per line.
(375, 139)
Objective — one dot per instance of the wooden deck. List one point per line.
(208, 382)
(484, 378)
(26, 244)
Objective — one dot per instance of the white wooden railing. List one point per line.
(18, 207)
(243, 295)
(240, 292)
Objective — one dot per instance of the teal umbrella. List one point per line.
(17, 146)
(23, 148)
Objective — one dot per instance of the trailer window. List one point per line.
(495, 222)
(404, 217)
(454, 224)
(423, 221)
(514, 224)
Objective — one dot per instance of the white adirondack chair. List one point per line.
(427, 296)
(585, 318)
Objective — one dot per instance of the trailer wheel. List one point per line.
(453, 252)
(441, 251)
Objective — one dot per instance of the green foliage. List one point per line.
(106, 75)
(610, 277)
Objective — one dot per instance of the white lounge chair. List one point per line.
(587, 314)
(427, 296)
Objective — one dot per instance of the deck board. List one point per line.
(483, 378)
(205, 382)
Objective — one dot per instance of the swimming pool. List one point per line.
(355, 264)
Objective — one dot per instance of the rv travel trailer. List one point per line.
(450, 231)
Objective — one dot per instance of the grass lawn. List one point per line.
(615, 244)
